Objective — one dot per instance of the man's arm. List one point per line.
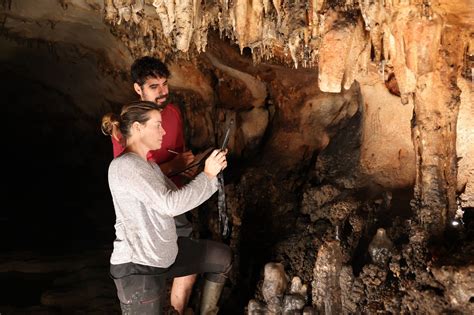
(180, 162)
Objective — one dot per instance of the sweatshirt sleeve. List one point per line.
(148, 185)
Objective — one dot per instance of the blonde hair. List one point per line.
(110, 124)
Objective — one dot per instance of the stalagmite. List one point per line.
(255, 307)
(326, 289)
(380, 248)
(292, 303)
(297, 287)
(274, 285)
(297, 297)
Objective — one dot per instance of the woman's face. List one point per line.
(153, 132)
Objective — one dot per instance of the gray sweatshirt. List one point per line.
(145, 202)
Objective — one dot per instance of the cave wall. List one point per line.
(323, 100)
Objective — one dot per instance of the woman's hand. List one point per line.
(215, 163)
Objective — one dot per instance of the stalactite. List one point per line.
(240, 17)
(293, 45)
(434, 133)
(166, 17)
(137, 8)
(184, 23)
(110, 11)
(277, 6)
(124, 10)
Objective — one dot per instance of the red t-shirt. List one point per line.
(173, 139)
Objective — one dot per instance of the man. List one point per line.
(150, 82)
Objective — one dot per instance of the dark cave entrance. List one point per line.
(57, 196)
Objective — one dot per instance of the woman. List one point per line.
(147, 249)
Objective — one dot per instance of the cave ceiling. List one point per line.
(338, 38)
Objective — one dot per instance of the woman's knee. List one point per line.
(221, 255)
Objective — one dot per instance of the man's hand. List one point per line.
(180, 162)
(190, 173)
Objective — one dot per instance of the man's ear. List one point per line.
(137, 89)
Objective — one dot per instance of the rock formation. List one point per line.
(350, 116)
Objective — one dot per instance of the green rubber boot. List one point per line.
(210, 296)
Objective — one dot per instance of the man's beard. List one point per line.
(163, 99)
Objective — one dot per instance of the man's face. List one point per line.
(153, 90)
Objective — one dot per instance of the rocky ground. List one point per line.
(45, 283)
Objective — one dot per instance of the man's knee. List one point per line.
(181, 292)
(185, 282)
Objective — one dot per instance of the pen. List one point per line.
(172, 151)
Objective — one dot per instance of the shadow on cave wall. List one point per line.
(55, 171)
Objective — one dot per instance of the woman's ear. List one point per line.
(136, 127)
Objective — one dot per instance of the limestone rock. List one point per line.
(275, 281)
